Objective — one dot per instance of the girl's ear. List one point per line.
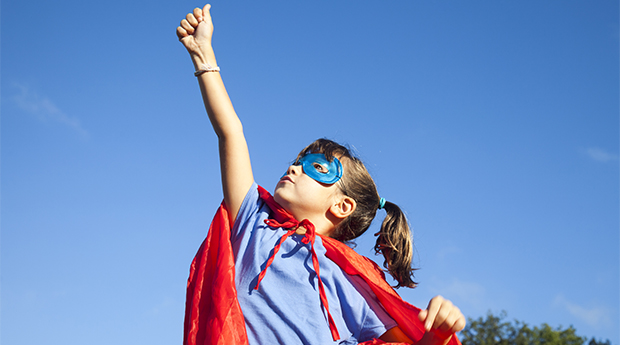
(343, 208)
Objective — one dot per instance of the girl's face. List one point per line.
(304, 196)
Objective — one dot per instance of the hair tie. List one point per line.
(381, 203)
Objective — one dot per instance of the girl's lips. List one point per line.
(286, 178)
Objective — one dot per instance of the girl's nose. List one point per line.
(294, 170)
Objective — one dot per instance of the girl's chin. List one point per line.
(277, 196)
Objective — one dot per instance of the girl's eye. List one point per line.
(319, 168)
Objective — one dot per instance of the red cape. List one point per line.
(213, 315)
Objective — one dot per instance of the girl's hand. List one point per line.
(442, 318)
(196, 31)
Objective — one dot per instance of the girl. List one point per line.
(264, 277)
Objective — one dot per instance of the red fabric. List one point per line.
(212, 313)
(405, 314)
(379, 342)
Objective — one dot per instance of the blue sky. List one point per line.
(494, 124)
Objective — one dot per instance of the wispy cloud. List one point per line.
(448, 251)
(600, 155)
(466, 294)
(473, 292)
(596, 317)
(44, 109)
(165, 307)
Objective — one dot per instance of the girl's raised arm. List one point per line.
(195, 33)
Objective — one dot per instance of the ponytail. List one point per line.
(394, 242)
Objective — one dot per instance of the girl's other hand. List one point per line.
(442, 317)
(196, 30)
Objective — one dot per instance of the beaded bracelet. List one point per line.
(206, 68)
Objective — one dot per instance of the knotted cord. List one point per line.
(283, 219)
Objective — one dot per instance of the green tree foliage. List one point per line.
(494, 330)
(594, 342)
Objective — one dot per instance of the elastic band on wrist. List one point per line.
(204, 68)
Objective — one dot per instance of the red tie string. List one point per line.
(283, 219)
(273, 255)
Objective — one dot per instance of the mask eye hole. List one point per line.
(320, 168)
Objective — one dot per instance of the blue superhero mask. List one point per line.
(320, 169)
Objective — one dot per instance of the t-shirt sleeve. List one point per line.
(249, 207)
(377, 320)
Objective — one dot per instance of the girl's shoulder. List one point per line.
(251, 211)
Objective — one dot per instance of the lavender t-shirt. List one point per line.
(286, 308)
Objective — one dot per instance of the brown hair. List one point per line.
(394, 238)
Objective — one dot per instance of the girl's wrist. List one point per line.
(204, 55)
